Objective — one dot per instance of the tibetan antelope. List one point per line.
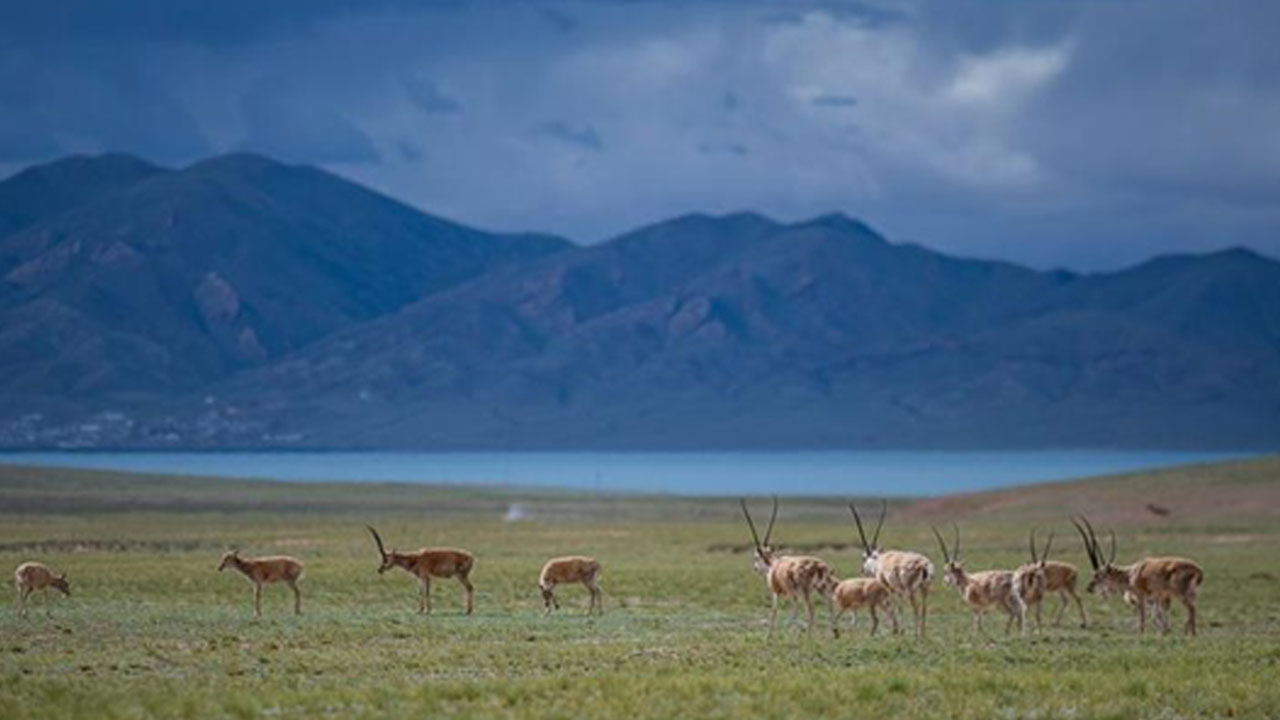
(1030, 581)
(32, 576)
(855, 594)
(427, 563)
(262, 570)
(571, 569)
(1149, 581)
(983, 590)
(793, 576)
(902, 571)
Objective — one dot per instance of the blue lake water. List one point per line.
(890, 473)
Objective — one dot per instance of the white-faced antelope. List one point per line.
(32, 576)
(1152, 580)
(571, 569)
(427, 563)
(1030, 580)
(983, 590)
(902, 571)
(856, 594)
(792, 576)
(263, 570)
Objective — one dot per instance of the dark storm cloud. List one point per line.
(1090, 133)
(427, 95)
(583, 136)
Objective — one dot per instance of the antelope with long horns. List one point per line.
(984, 590)
(792, 576)
(572, 569)
(32, 576)
(264, 570)
(1149, 581)
(427, 563)
(1030, 580)
(902, 571)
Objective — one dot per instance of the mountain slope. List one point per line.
(242, 302)
(44, 191)
(817, 334)
(189, 275)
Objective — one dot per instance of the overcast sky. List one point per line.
(1082, 134)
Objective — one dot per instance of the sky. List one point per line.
(1089, 134)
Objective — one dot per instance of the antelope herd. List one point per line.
(889, 576)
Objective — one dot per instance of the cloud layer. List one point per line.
(1087, 134)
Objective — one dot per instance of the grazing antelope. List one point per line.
(426, 564)
(903, 572)
(1030, 581)
(571, 569)
(793, 576)
(276, 568)
(1149, 581)
(32, 576)
(857, 593)
(984, 590)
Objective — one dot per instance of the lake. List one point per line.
(892, 473)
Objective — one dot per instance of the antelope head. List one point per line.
(870, 550)
(952, 567)
(229, 559)
(388, 558)
(1106, 576)
(764, 551)
(61, 583)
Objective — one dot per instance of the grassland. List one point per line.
(154, 631)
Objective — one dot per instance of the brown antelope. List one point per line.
(1030, 581)
(427, 563)
(32, 576)
(984, 590)
(857, 593)
(1149, 581)
(792, 576)
(263, 570)
(903, 572)
(571, 569)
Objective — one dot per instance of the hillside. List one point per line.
(241, 302)
(183, 277)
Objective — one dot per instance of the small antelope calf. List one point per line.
(855, 594)
(1152, 581)
(32, 576)
(902, 571)
(792, 576)
(276, 568)
(984, 590)
(571, 569)
(427, 563)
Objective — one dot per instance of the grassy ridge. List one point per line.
(154, 631)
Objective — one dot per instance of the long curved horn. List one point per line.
(1088, 546)
(884, 510)
(773, 518)
(378, 539)
(754, 536)
(1033, 546)
(858, 521)
(1044, 553)
(955, 551)
(946, 556)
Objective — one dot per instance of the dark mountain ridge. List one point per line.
(263, 305)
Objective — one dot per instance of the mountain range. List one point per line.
(241, 302)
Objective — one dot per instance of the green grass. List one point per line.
(154, 631)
